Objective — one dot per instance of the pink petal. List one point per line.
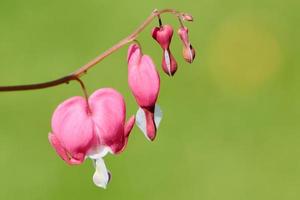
(74, 129)
(183, 34)
(150, 124)
(57, 146)
(163, 35)
(143, 78)
(109, 112)
(128, 126)
(134, 54)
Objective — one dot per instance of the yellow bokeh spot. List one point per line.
(243, 55)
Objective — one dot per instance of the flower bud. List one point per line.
(188, 50)
(163, 35)
(187, 17)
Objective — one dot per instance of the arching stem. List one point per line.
(86, 96)
(82, 70)
(159, 21)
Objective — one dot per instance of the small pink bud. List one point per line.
(163, 35)
(188, 50)
(144, 83)
(187, 17)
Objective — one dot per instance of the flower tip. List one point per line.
(188, 51)
(189, 54)
(134, 53)
(169, 63)
(170, 73)
(102, 176)
(152, 138)
(148, 121)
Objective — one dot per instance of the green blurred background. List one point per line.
(231, 119)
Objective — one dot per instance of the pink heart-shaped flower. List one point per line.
(144, 83)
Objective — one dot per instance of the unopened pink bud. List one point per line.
(187, 17)
(163, 35)
(188, 50)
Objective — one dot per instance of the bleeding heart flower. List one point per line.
(188, 50)
(144, 83)
(83, 129)
(163, 35)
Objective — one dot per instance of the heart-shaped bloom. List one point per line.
(144, 83)
(188, 51)
(163, 35)
(91, 128)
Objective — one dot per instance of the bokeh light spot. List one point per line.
(243, 55)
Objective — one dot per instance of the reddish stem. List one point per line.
(86, 96)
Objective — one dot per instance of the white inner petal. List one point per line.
(101, 176)
(140, 120)
(157, 115)
(168, 61)
(99, 152)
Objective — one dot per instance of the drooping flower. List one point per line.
(163, 35)
(91, 129)
(144, 83)
(188, 51)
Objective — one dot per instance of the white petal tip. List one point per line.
(101, 176)
(157, 115)
(140, 120)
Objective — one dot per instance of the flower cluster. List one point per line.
(94, 126)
